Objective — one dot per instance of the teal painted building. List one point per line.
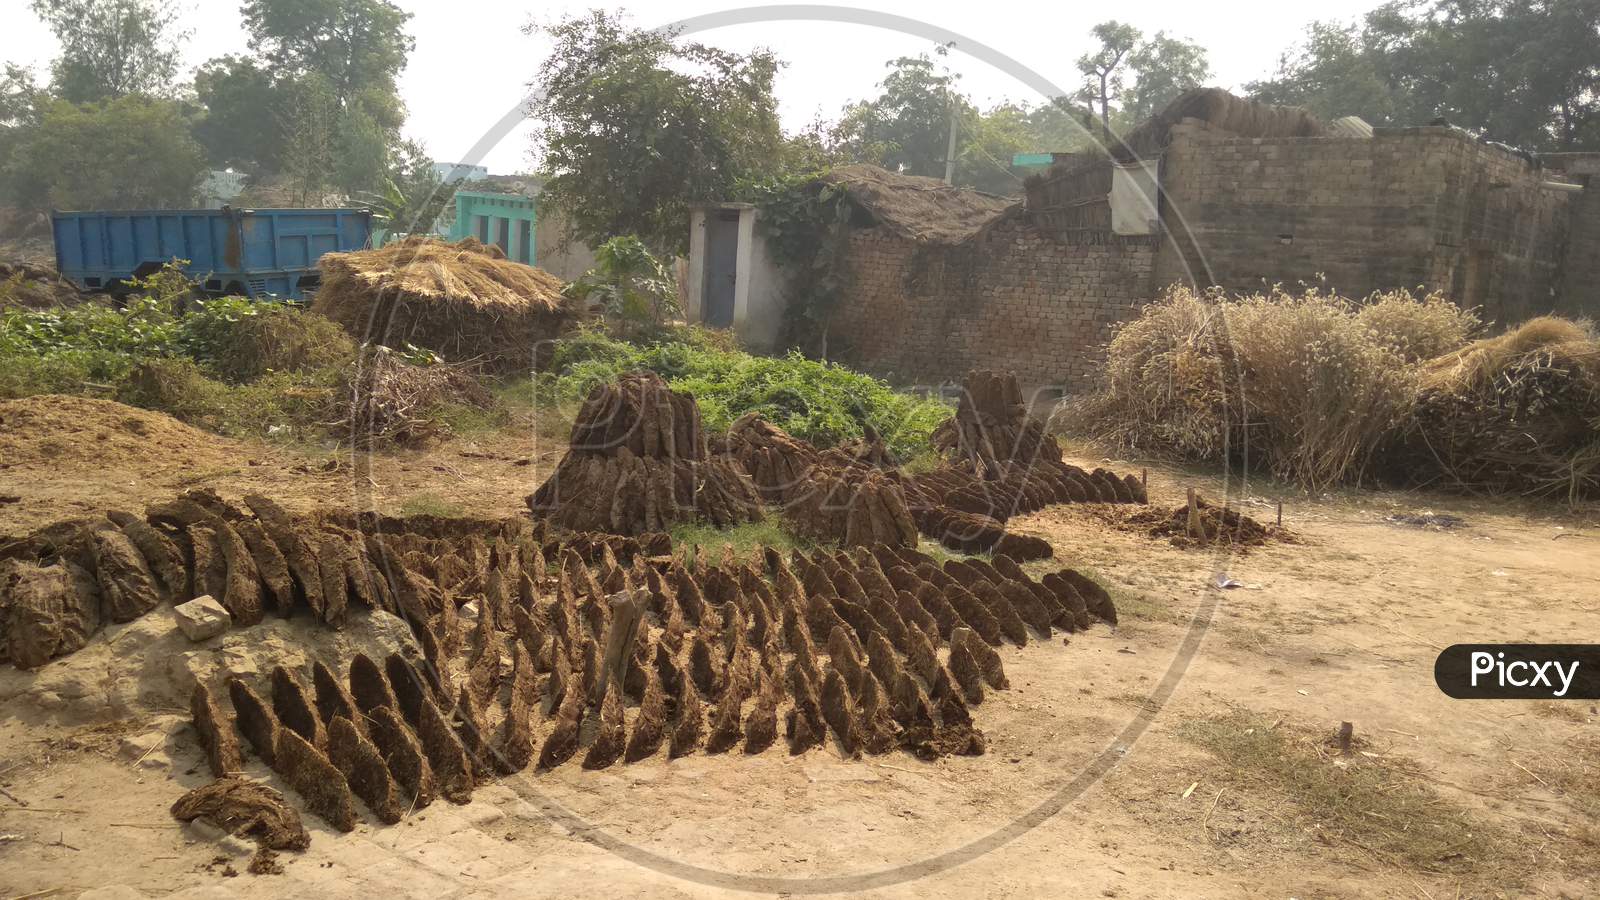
(508, 221)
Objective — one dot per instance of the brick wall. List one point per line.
(1409, 207)
(1580, 278)
(1015, 298)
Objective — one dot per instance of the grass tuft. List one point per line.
(747, 539)
(1371, 803)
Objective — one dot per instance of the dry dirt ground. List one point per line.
(1343, 626)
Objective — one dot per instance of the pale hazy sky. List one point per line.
(472, 62)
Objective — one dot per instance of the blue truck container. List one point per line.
(251, 252)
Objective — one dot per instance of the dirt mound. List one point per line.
(1211, 526)
(41, 431)
(463, 300)
(638, 463)
(36, 287)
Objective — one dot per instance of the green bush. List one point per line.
(297, 402)
(820, 402)
(240, 340)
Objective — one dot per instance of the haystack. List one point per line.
(1516, 412)
(465, 301)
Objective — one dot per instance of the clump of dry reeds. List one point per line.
(1306, 386)
(1418, 329)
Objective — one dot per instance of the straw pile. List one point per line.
(1304, 386)
(464, 300)
(1519, 412)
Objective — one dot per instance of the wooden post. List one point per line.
(1347, 733)
(1144, 477)
(1280, 513)
(1193, 525)
(627, 611)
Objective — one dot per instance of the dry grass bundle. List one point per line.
(1296, 384)
(1162, 388)
(1516, 412)
(1318, 392)
(463, 300)
(1418, 329)
(389, 401)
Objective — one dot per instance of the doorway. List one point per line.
(722, 267)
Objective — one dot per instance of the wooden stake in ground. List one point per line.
(1193, 526)
(1347, 733)
(627, 612)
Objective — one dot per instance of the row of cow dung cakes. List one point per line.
(876, 650)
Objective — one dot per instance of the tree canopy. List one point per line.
(131, 152)
(358, 46)
(1526, 72)
(907, 126)
(634, 126)
(112, 48)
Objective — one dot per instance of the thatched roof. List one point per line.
(920, 209)
(1224, 111)
(467, 272)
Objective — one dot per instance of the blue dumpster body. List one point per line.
(252, 252)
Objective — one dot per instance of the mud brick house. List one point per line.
(1214, 191)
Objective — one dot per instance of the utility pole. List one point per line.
(950, 148)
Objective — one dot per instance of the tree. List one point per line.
(356, 46)
(634, 126)
(131, 152)
(307, 124)
(1103, 68)
(112, 48)
(989, 141)
(20, 97)
(634, 290)
(907, 126)
(1332, 74)
(1166, 67)
(242, 108)
(1059, 125)
(362, 147)
(1526, 72)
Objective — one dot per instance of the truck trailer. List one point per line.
(256, 253)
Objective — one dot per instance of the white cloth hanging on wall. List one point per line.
(1133, 197)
